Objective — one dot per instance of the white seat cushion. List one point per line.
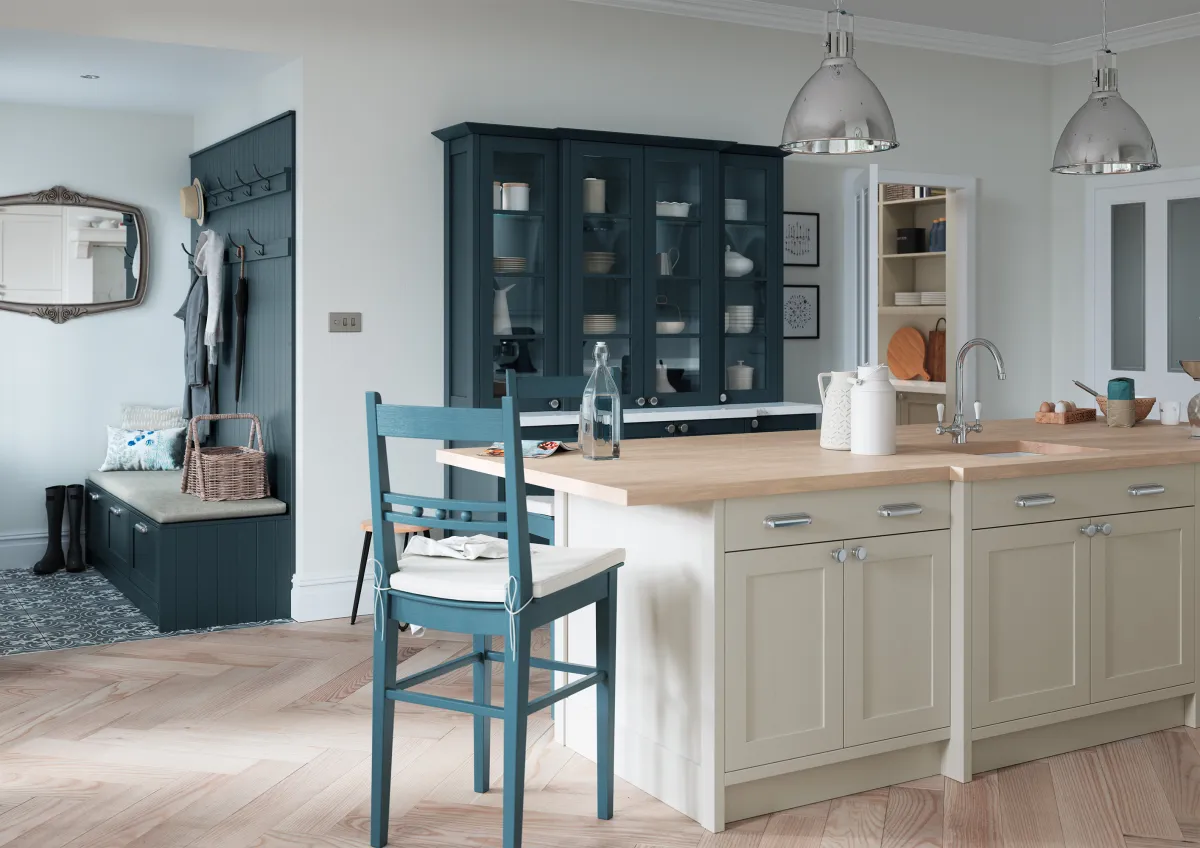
(485, 580)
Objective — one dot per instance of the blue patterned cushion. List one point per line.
(144, 450)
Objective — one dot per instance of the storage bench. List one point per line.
(184, 562)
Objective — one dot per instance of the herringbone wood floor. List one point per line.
(261, 738)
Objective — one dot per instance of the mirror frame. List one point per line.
(60, 313)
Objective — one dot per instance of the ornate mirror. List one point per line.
(64, 254)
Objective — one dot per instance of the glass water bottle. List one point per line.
(600, 411)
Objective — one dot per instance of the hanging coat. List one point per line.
(199, 317)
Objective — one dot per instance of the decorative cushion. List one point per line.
(485, 580)
(135, 417)
(144, 450)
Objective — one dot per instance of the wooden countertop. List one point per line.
(705, 468)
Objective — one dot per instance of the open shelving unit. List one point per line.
(923, 271)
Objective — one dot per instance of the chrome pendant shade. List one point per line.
(1106, 135)
(839, 109)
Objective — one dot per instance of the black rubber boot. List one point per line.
(75, 563)
(56, 500)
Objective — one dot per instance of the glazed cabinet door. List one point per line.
(604, 263)
(1143, 602)
(682, 291)
(897, 636)
(783, 654)
(1031, 606)
(518, 263)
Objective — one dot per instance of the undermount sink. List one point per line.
(1018, 449)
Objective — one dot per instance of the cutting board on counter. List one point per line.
(906, 355)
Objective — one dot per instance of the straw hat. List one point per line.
(191, 201)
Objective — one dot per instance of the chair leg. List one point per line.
(383, 716)
(362, 575)
(606, 700)
(482, 690)
(516, 713)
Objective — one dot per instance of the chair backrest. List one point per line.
(537, 387)
(446, 424)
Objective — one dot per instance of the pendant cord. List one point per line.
(1103, 25)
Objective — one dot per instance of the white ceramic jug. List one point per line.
(835, 409)
(873, 412)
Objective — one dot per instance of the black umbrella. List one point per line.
(241, 301)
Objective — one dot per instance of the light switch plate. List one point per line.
(345, 322)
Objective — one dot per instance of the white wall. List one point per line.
(379, 76)
(1160, 82)
(60, 385)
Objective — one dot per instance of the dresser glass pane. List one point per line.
(1129, 287)
(1183, 281)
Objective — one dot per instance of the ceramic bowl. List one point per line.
(669, 328)
(1192, 367)
(670, 209)
(735, 209)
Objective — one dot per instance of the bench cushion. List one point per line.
(156, 495)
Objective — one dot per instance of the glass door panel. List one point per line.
(1129, 287)
(605, 262)
(1183, 280)
(682, 262)
(519, 276)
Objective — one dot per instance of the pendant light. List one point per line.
(1106, 135)
(839, 109)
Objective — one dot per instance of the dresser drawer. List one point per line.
(1001, 503)
(835, 516)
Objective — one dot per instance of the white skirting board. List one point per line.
(22, 550)
(319, 598)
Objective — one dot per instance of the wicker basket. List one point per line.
(226, 473)
(898, 192)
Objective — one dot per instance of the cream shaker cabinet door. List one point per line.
(783, 654)
(1030, 609)
(1143, 602)
(897, 636)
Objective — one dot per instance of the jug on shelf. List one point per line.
(873, 412)
(835, 409)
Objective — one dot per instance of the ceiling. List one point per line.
(1046, 21)
(45, 68)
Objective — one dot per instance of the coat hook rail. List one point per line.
(259, 247)
(265, 180)
(247, 191)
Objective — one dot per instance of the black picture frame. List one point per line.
(792, 328)
(800, 248)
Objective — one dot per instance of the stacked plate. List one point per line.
(598, 261)
(599, 325)
(510, 264)
(933, 298)
(908, 298)
(739, 319)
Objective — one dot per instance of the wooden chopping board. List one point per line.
(906, 355)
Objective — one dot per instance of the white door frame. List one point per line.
(1097, 235)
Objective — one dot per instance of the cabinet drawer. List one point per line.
(834, 516)
(143, 558)
(1059, 496)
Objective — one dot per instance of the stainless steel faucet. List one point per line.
(959, 427)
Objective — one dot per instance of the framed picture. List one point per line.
(801, 238)
(801, 312)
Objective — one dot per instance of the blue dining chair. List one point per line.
(533, 586)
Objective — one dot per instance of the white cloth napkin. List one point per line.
(458, 547)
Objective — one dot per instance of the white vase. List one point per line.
(501, 322)
(873, 412)
(835, 409)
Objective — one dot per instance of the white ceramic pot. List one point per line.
(835, 409)
(739, 377)
(516, 197)
(735, 209)
(737, 265)
(873, 412)
(593, 196)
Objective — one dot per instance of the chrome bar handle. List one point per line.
(1043, 499)
(115, 510)
(796, 519)
(141, 527)
(94, 496)
(900, 510)
(1147, 489)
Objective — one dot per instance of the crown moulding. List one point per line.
(791, 18)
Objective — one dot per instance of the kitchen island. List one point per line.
(798, 624)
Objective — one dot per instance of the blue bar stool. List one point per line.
(535, 585)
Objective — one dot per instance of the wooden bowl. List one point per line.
(1141, 406)
(1192, 367)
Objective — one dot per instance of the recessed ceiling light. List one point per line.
(89, 76)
